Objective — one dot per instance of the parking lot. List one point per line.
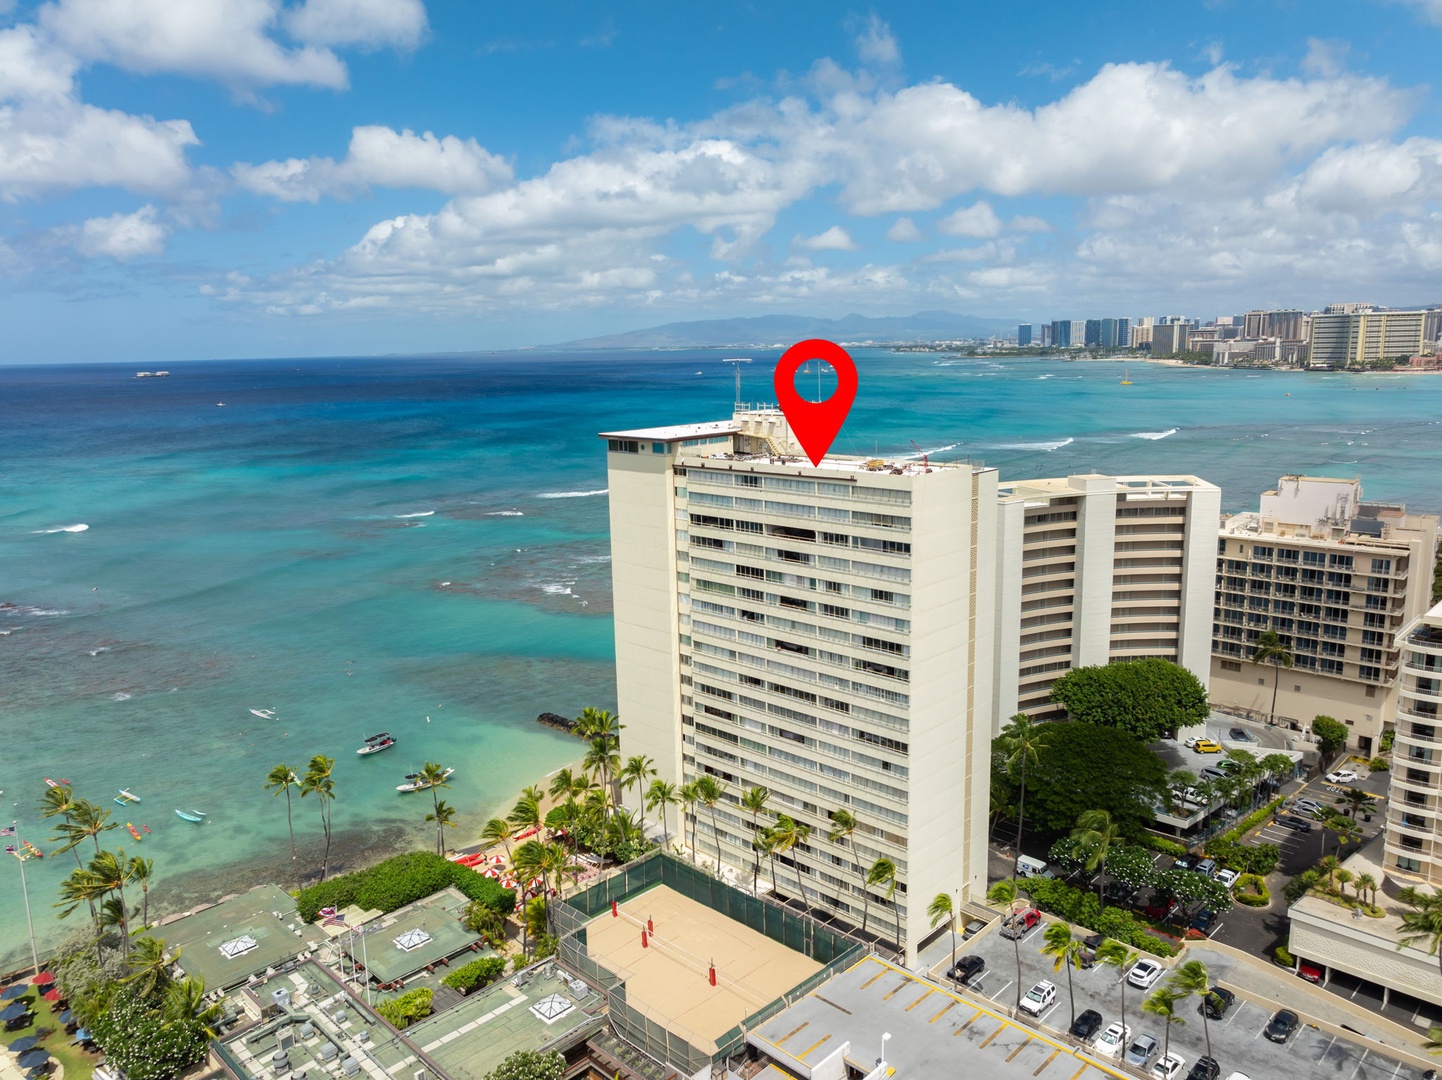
(1237, 1041)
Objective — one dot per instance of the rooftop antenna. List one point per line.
(736, 362)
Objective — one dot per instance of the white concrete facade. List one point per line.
(825, 633)
(1413, 837)
(1093, 569)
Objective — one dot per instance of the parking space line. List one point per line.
(1019, 1049)
(997, 995)
(1365, 1052)
(987, 1041)
(1241, 1008)
(824, 1039)
(945, 1009)
(873, 978)
(1049, 1060)
(1083, 1069)
(968, 1024)
(925, 994)
(899, 988)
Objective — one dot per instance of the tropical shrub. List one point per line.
(1162, 844)
(1251, 821)
(401, 880)
(144, 1044)
(1379, 764)
(1082, 908)
(1148, 698)
(411, 1006)
(1252, 891)
(1331, 734)
(1283, 957)
(486, 922)
(530, 1065)
(476, 974)
(1244, 858)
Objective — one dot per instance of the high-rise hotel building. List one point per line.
(822, 632)
(1413, 842)
(1093, 569)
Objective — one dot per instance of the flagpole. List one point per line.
(25, 891)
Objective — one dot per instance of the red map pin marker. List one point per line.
(815, 423)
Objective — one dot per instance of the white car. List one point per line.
(1226, 877)
(1169, 1067)
(1342, 776)
(1144, 974)
(1039, 998)
(1112, 1041)
(1191, 743)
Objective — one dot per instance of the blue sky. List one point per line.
(230, 178)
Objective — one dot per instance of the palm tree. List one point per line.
(1270, 650)
(1020, 742)
(142, 871)
(843, 828)
(598, 723)
(1064, 949)
(766, 842)
(637, 770)
(1422, 926)
(85, 820)
(569, 787)
(1355, 798)
(1122, 957)
(710, 791)
(281, 779)
(1330, 865)
(108, 872)
(754, 803)
(433, 775)
(687, 794)
(1193, 978)
(318, 782)
(445, 818)
(1004, 894)
(526, 814)
(883, 872)
(940, 910)
(498, 831)
(789, 834)
(150, 966)
(603, 763)
(1366, 885)
(660, 795)
(1433, 1043)
(1163, 1003)
(1345, 829)
(185, 1000)
(1279, 767)
(80, 888)
(527, 864)
(1095, 833)
(60, 802)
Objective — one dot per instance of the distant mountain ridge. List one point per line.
(775, 329)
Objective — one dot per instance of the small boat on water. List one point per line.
(133, 830)
(376, 743)
(56, 783)
(190, 815)
(264, 714)
(127, 796)
(416, 782)
(34, 851)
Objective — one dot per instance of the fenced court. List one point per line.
(670, 974)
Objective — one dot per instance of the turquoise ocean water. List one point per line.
(420, 546)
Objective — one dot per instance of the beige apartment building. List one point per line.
(1413, 839)
(1092, 569)
(823, 632)
(1341, 340)
(1336, 578)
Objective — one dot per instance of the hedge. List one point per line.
(1252, 820)
(477, 973)
(1283, 957)
(1252, 891)
(1162, 844)
(1245, 858)
(402, 880)
(1082, 908)
(408, 1008)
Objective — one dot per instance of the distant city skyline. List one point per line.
(331, 177)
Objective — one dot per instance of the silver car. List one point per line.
(1140, 1053)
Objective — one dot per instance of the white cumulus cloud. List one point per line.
(370, 24)
(380, 157)
(833, 239)
(903, 229)
(120, 236)
(979, 220)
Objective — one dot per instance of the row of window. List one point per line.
(831, 489)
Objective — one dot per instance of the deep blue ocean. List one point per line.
(420, 546)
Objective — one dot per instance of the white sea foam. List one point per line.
(561, 588)
(927, 453)
(1047, 446)
(97, 652)
(571, 494)
(423, 513)
(506, 513)
(64, 528)
(1154, 435)
(26, 609)
(122, 696)
(586, 560)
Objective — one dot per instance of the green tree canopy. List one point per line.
(1148, 698)
(1086, 767)
(530, 1065)
(1331, 732)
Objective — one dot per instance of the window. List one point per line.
(1314, 558)
(1381, 566)
(658, 448)
(1405, 863)
(623, 446)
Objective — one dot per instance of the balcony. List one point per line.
(1410, 825)
(1410, 736)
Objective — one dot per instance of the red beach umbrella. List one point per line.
(51, 995)
(45, 978)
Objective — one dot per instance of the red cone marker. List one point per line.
(815, 423)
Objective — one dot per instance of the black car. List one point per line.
(1087, 1025)
(1216, 1003)
(1203, 921)
(968, 968)
(1290, 822)
(1280, 1027)
(1238, 735)
(1205, 1069)
(1184, 862)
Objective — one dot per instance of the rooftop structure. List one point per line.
(822, 632)
(1336, 578)
(243, 936)
(1092, 569)
(419, 937)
